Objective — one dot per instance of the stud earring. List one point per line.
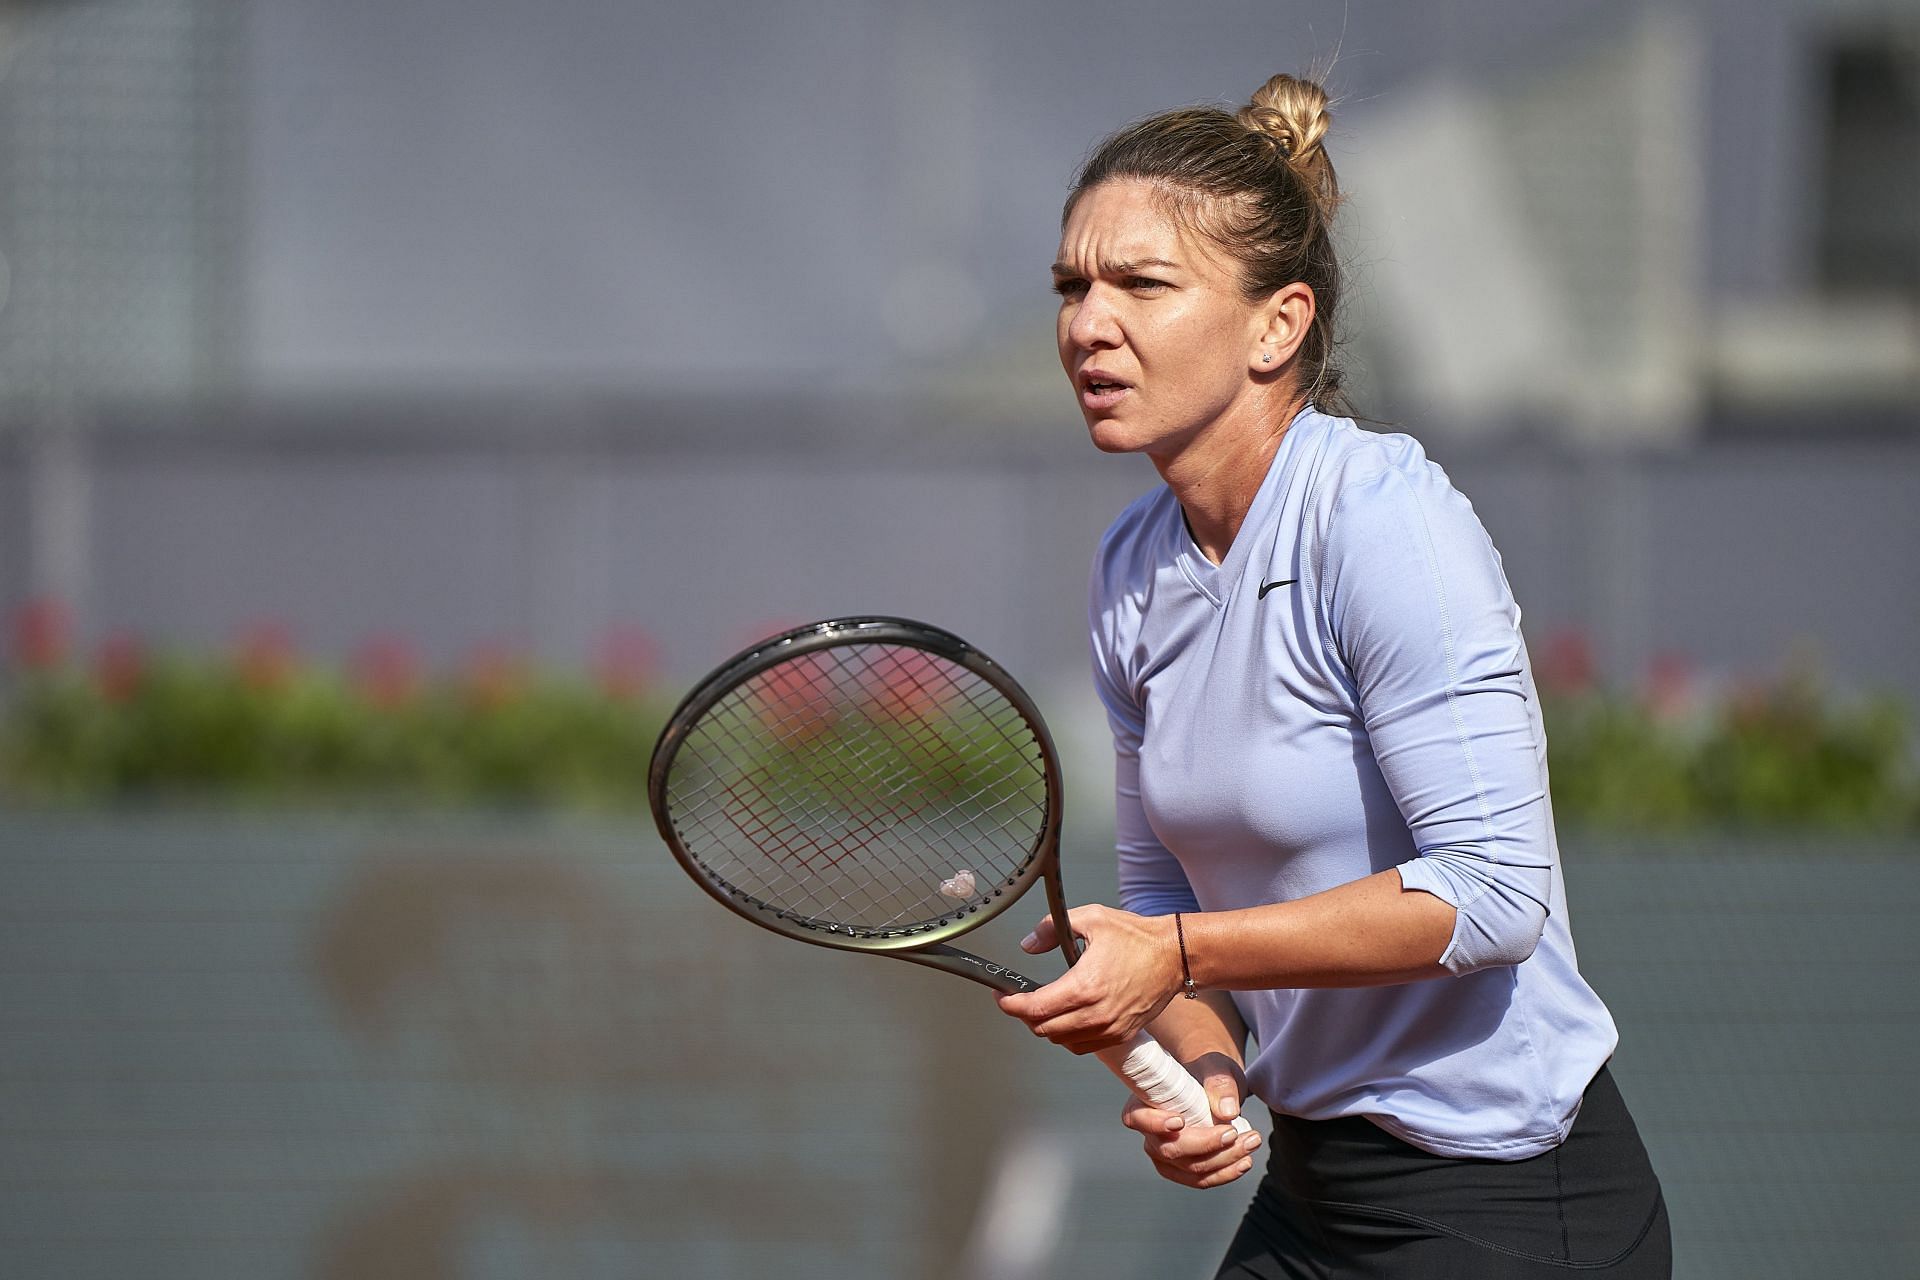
(1267, 358)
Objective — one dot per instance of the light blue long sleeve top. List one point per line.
(1348, 692)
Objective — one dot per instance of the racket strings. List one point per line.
(889, 782)
(849, 788)
(807, 847)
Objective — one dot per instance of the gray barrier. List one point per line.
(329, 1047)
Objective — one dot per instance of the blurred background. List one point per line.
(401, 403)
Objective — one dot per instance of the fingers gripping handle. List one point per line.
(1153, 1074)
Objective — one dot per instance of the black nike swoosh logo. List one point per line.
(1268, 586)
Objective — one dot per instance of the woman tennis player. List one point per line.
(1333, 823)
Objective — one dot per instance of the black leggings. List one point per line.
(1346, 1200)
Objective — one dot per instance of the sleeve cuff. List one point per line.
(1424, 875)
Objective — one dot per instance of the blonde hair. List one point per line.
(1258, 183)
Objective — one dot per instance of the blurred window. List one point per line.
(1870, 222)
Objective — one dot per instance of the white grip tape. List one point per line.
(1153, 1074)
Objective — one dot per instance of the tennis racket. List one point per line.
(879, 785)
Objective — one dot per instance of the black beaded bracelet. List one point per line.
(1186, 975)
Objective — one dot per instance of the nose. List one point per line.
(1094, 326)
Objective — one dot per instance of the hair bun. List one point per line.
(1292, 114)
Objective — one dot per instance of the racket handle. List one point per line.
(1151, 1072)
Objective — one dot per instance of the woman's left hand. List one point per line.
(1127, 973)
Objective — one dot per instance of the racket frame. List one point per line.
(924, 946)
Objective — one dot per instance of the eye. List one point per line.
(1069, 286)
(1144, 284)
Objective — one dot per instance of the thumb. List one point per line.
(1043, 938)
(1223, 1094)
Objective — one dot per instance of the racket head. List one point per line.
(866, 783)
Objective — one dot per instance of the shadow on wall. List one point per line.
(514, 971)
(534, 981)
(602, 1084)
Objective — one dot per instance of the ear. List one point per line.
(1284, 321)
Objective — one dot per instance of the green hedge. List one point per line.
(1786, 756)
(195, 730)
(260, 725)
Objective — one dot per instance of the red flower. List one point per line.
(42, 634)
(386, 671)
(120, 667)
(265, 656)
(1566, 663)
(798, 699)
(627, 662)
(910, 684)
(494, 676)
(1668, 689)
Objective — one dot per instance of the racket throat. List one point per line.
(967, 965)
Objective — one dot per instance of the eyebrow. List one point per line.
(1118, 268)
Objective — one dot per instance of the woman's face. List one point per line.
(1154, 333)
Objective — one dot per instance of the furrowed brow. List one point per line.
(1135, 266)
(1127, 268)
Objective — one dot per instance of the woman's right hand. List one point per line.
(1199, 1156)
